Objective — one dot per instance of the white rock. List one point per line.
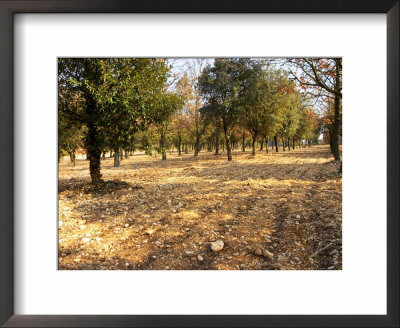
(126, 225)
(188, 252)
(86, 240)
(200, 258)
(217, 246)
(169, 201)
(149, 232)
(268, 254)
(298, 217)
(60, 223)
(166, 268)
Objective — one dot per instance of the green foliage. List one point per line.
(261, 100)
(125, 92)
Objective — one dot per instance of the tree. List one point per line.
(70, 135)
(306, 126)
(324, 76)
(116, 96)
(181, 119)
(194, 100)
(168, 104)
(289, 105)
(70, 138)
(220, 86)
(260, 99)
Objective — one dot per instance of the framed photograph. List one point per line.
(167, 163)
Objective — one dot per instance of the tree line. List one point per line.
(116, 105)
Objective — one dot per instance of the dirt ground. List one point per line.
(281, 211)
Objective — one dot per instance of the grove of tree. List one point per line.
(119, 105)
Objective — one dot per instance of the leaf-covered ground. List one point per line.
(280, 211)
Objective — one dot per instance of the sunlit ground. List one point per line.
(163, 215)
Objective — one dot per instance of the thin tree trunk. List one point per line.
(253, 144)
(217, 142)
(72, 157)
(276, 143)
(116, 158)
(228, 149)
(162, 147)
(337, 106)
(227, 142)
(197, 145)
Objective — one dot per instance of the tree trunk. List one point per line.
(104, 156)
(197, 145)
(93, 152)
(276, 143)
(186, 148)
(288, 143)
(283, 145)
(217, 143)
(126, 154)
(253, 144)
(228, 148)
(179, 145)
(227, 142)
(262, 144)
(116, 159)
(72, 157)
(266, 145)
(162, 148)
(337, 107)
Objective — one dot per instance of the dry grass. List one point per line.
(162, 215)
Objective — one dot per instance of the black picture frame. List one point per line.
(10, 7)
